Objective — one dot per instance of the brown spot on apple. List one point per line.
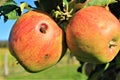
(46, 56)
(43, 28)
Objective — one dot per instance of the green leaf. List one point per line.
(7, 8)
(65, 2)
(99, 2)
(9, 11)
(12, 15)
(23, 6)
(83, 76)
(66, 5)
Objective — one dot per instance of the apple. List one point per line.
(36, 41)
(93, 35)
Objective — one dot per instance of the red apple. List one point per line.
(93, 35)
(36, 41)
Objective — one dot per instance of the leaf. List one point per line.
(83, 77)
(5, 18)
(24, 5)
(99, 2)
(7, 8)
(12, 15)
(65, 2)
(9, 12)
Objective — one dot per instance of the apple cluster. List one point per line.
(92, 35)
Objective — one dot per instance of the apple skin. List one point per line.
(36, 41)
(93, 35)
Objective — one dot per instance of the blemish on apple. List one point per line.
(46, 56)
(43, 28)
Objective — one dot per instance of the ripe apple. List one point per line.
(36, 41)
(93, 35)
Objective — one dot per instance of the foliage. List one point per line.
(62, 11)
(3, 44)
